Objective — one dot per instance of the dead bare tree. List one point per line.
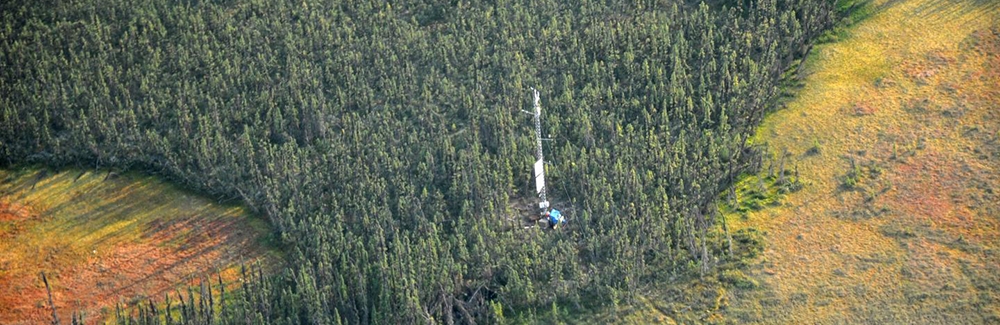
(48, 289)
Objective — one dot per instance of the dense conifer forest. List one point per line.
(383, 141)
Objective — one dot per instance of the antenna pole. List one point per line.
(540, 163)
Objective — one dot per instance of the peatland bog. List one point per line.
(104, 239)
(895, 136)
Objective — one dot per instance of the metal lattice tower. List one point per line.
(539, 166)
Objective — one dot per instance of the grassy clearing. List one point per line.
(101, 237)
(896, 133)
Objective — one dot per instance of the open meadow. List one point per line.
(896, 136)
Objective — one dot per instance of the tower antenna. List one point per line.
(539, 167)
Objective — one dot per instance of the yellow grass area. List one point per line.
(899, 220)
(103, 238)
(895, 135)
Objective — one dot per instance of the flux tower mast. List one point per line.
(539, 166)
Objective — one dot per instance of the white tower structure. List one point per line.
(539, 166)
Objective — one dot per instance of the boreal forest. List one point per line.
(384, 143)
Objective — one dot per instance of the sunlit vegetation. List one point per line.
(102, 238)
(897, 222)
(384, 144)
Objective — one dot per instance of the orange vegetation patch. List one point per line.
(13, 212)
(917, 200)
(107, 240)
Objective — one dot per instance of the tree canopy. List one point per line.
(383, 140)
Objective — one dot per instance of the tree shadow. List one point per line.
(957, 9)
(153, 236)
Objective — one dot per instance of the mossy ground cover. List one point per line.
(896, 134)
(103, 239)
